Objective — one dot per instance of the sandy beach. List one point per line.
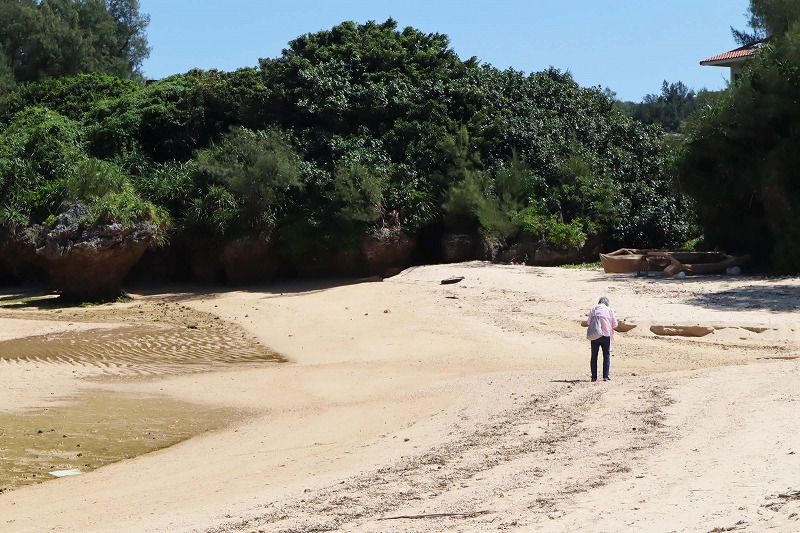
(407, 405)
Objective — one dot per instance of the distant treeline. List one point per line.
(671, 107)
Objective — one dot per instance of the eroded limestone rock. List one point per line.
(458, 247)
(251, 260)
(87, 263)
(387, 251)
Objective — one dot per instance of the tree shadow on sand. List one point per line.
(286, 287)
(53, 301)
(779, 298)
(653, 278)
(32, 299)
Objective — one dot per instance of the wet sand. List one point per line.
(408, 405)
(92, 430)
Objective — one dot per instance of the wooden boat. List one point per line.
(625, 260)
(669, 261)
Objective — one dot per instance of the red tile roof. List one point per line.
(740, 53)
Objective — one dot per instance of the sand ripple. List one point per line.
(139, 349)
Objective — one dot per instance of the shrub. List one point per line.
(552, 230)
(249, 175)
(110, 196)
(93, 178)
(360, 190)
(37, 150)
(71, 96)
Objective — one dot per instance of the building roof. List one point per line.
(734, 56)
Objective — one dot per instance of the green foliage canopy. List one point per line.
(741, 157)
(44, 169)
(249, 176)
(54, 38)
(669, 108)
(767, 18)
(353, 129)
(71, 96)
(36, 151)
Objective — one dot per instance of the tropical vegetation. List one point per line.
(741, 154)
(369, 128)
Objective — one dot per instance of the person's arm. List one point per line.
(614, 322)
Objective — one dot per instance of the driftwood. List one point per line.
(436, 515)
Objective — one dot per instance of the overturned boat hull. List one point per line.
(671, 262)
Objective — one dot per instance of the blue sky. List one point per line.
(628, 46)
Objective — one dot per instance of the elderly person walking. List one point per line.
(605, 324)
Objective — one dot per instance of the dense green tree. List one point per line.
(449, 126)
(53, 38)
(374, 95)
(462, 176)
(393, 85)
(767, 18)
(669, 108)
(44, 169)
(248, 176)
(549, 121)
(361, 191)
(361, 127)
(493, 203)
(741, 157)
(162, 122)
(130, 37)
(170, 119)
(72, 96)
(365, 75)
(37, 150)
(7, 82)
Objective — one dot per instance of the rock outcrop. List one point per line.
(205, 261)
(251, 260)
(336, 262)
(386, 252)
(458, 247)
(87, 263)
(17, 257)
(490, 248)
(539, 253)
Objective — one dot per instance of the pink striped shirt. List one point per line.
(608, 321)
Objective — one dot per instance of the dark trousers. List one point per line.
(605, 343)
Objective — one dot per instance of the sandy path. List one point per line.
(411, 398)
(728, 457)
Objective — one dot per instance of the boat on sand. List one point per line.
(669, 261)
